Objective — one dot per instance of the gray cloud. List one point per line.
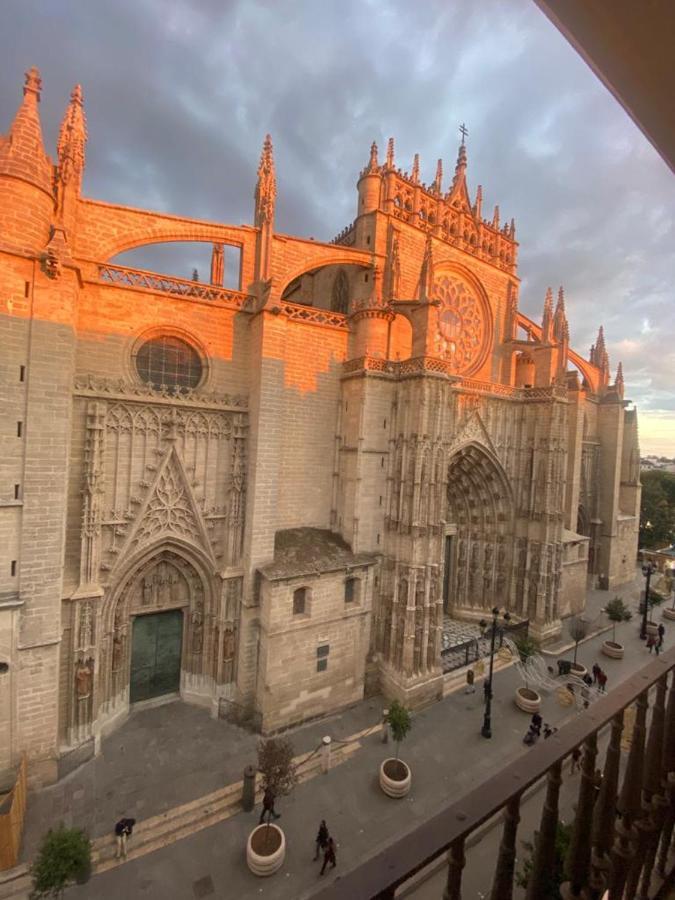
(180, 94)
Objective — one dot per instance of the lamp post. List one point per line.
(647, 570)
(486, 730)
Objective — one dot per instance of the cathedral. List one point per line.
(273, 497)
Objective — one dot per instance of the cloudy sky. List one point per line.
(180, 94)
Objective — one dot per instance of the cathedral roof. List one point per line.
(311, 551)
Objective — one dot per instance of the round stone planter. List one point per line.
(265, 850)
(395, 777)
(612, 649)
(578, 670)
(669, 613)
(527, 700)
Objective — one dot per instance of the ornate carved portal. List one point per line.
(168, 580)
(479, 505)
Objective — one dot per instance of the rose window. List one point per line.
(461, 323)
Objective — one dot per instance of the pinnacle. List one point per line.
(390, 153)
(23, 155)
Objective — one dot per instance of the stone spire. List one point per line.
(266, 187)
(512, 231)
(390, 153)
(600, 357)
(495, 218)
(71, 148)
(218, 265)
(560, 326)
(478, 205)
(415, 174)
(22, 152)
(460, 168)
(394, 269)
(547, 318)
(427, 270)
(373, 165)
(438, 180)
(618, 381)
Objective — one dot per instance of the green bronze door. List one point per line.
(155, 654)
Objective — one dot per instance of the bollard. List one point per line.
(385, 726)
(248, 789)
(325, 754)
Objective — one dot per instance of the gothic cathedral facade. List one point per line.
(272, 497)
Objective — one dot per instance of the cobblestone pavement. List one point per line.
(166, 756)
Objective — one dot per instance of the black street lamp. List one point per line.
(486, 730)
(647, 570)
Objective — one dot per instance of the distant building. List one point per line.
(270, 498)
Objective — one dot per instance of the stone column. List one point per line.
(604, 813)
(502, 886)
(544, 853)
(579, 853)
(456, 861)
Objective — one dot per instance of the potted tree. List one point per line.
(395, 775)
(64, 857)
(266, 845)
(617, 611)
(527, 698)
(656, 598)
(578, 628)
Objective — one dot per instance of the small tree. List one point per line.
(617, 611)
(556, 875)
(64, 856)
(578, 628)
(399, 721)
(278, 771)
(527, 647)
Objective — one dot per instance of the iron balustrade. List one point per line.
(620, 842)
(472, 650)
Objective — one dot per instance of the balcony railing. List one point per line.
(621, 838)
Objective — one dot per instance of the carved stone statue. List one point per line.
(84, 678)
(198, 627)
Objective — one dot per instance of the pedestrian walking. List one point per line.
(651, 642)
(596, 671)
(321, 838)
(329, 855)
(123, 831)
(470, 678)
(588, 681)
(576, 758)
(548, 731)
(602, 681)
(268, 806)
(662, 634)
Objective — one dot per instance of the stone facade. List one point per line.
(173, 448)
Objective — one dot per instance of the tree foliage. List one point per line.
(276, 766)
(617, 611)
(400, 722)
(658, 509)
(556, 876)
(64, 856)
(578, 628)
(526, 647)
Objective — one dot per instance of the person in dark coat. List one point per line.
(602, 681)
(321, 838)
(596, 672)
(662, 634)
(470, 679)
(123, 831)
(536, 723)
(651, 642)
(329, 855)
(268, 806)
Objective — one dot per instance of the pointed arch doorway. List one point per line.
(479, 534)
(156, 649)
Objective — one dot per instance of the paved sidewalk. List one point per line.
(145, 769)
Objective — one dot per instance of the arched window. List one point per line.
(340, 299)
(300, 601)
(170, 361)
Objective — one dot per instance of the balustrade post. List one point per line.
(669, 782)
(654, 802)
(578, 860)
(604, 813)
(628, 805)
(502, 886)
(456, 861)
(544, 852)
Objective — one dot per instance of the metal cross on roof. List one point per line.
(463, 131)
